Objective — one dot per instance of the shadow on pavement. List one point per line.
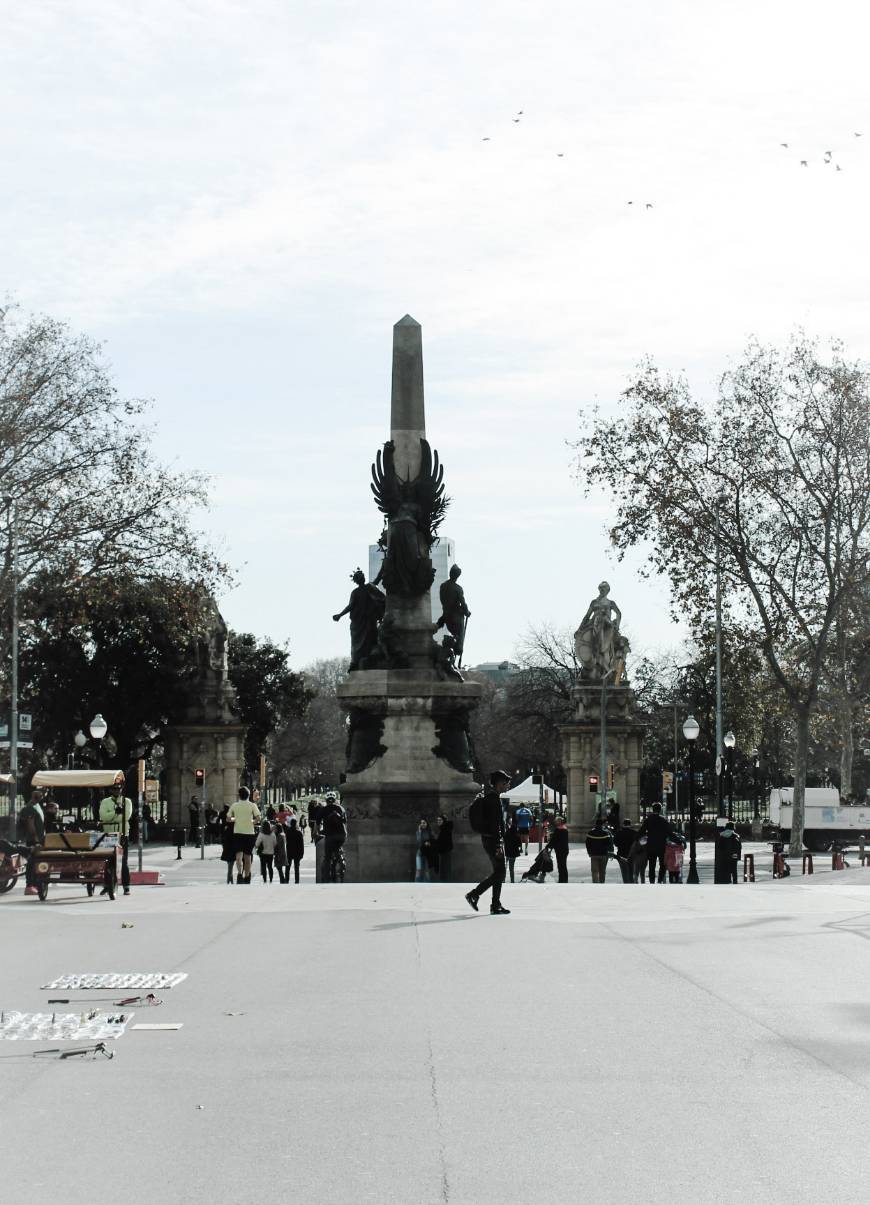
(407, 924)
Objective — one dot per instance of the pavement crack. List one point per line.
(433, 1082)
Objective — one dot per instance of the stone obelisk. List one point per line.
(408, 744)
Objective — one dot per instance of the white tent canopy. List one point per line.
(528, 792)
(77, 778)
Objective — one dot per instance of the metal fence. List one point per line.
(742, 811)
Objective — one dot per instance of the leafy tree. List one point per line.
(776, 472)
(118, 646)
(268, 691)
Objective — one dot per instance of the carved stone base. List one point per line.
(408, 756)
(218, 749)
(581, 752)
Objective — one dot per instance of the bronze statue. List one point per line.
(365, 607)
(598, 644)
(454, 610)
(414, 510)
(445, 660)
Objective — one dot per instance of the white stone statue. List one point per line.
(598, 644)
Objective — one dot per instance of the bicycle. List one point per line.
(335, 868)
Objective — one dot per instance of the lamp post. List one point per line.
(756, 797)
(98, 729)
(602, 768)
(730, 742)
(690, 732)
(79, 740)
(12, 508)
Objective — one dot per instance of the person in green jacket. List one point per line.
(116, 812)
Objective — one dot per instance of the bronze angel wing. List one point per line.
(429, 489)
(385, 483)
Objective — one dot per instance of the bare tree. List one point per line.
(76, 464)
(776, 470)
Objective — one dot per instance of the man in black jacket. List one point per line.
(491, 838)
(624, 840)
(656, 830)
(599, 846)
(559, 843)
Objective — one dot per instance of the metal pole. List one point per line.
(718, 667)
(13, 716)
(676, 755)
(541, 814)
(202, 821)
(140, 766)
(693, 864)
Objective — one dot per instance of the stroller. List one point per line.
(540, 868)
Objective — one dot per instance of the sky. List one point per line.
(240, 200)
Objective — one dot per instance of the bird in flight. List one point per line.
(839, 169)
(629, 202)
(560, 154)
(804, 163)
(519, 112)
(649, 204)
(516, 121)
(785, 144)
(486, 140)
(858, 135)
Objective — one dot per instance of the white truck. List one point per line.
(825, 819)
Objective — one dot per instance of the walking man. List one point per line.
(624, 840)
(491, 831)
(599, 846)
(524, 824)
(558, 843)
(656, 829)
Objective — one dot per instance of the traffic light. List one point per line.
(199, 775)
(593, 784)
(610, 772)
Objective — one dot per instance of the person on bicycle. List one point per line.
(333, 825)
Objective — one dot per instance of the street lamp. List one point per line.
(98, 729)
(691, 729)
(756, 798)
(730, 741)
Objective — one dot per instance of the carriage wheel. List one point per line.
(8, 884)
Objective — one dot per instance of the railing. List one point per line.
(742, 811)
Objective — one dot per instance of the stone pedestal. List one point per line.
(581, 752)
(219, 749)
(408, 756)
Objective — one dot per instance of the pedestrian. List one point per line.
(116, 812)
(674, 857)
(423, 854)
(558, 843)
(244, 815)
(727, 854)
(228, 847)
(523, 816)
(443, 841)
(490, 819)
(624, 840)
(146, 821)
(281, 863)
(599, 846)
(656, 829)
(265, 847)
(513, 845)
(30, 831)
(193, 821)
(295, 848)
(333, 821)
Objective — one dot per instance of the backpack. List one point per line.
(477, 815)
(333, 824)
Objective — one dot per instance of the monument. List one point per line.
(408, 749)
(208, 735)
(605, 718)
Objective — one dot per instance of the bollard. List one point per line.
(862, 852)
(807, 867)
(178, 841)
(837, 860)
(749, 868)
(778, 864)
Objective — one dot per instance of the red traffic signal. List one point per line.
(199, 775)
(593, 784)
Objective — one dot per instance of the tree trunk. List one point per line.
(802, 740)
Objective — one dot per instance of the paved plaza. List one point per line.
(382, 1043)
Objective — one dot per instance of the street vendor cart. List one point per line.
(77, 857)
